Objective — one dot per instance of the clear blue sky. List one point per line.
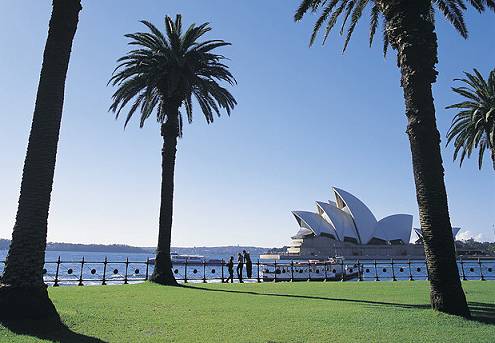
(307, 119)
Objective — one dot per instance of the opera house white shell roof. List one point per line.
(418, 234)
(348, 219)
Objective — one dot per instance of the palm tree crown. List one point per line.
(352, 11)
(474, 126)
(171, 68)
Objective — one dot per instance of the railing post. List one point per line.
(204, 271)
(126, 268)
(275, 271)
(360, 275)
(258, 277)
(185, 271)
(81, 273)
(325, 266)
(393, 271)
(462, 269)
(147, 267)
(223, 263)
(55, 283)
(104, 282)
(376, 271)
(309, 271)
(482, 277)
(291, 270)
(410, 272)
(343, 270)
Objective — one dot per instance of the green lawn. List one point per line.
(266, 312)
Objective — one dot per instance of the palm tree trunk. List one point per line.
(162, 273)
(413, 36)
(23, 292)
(493, 157)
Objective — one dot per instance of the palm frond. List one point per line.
(350, 11)
(169, 68)
(375, 16)
(474, 126)
(356, 14)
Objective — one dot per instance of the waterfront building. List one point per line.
(347, 228)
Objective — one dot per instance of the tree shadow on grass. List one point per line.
(311, 297)
(50, 329)
(480, 312)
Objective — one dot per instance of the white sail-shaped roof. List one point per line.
(394, 227)
(348, 219)
(315, 223)
(341, 221)
(455, 231)
(333, 203)
(419, 232)
(303, 232)
(364, 220)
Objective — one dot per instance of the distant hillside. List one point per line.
(220, 251)
(472, 247)
(95, 247)
(121, 248)
(4, 244)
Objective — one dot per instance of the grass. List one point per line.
(266, 312)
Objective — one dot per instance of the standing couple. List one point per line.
(241, 259)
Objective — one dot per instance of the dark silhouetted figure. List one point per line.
(230, 267)
(249, 264)
(240, 265)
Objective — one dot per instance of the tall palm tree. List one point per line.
(163, 73)
(474, 126)
(22, 290)
(409, 28)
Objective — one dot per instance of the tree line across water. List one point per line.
(123, 248)
(166, 69)
(54, 246)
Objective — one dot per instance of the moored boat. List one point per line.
(190, 259)
(331, 269)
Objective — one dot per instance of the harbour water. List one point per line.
(131, 267)
(88, 268)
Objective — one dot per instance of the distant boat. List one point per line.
(190, 259)
(298, 270)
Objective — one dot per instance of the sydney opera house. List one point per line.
(346, 227)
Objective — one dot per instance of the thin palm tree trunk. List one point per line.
(162, 273)
(22, 282)
(414, 38)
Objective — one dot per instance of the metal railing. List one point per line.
(88, 272)
(372, 270)
(81, 272)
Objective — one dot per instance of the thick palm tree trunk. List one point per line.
(162, 273)
(23, 292)
(413, 36)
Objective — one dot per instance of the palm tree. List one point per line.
(163, 72)
(409, 28)
(22, 290)
(474, 126)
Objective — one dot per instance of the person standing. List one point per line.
(230, 267)
(249, 264)
(240, 265)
